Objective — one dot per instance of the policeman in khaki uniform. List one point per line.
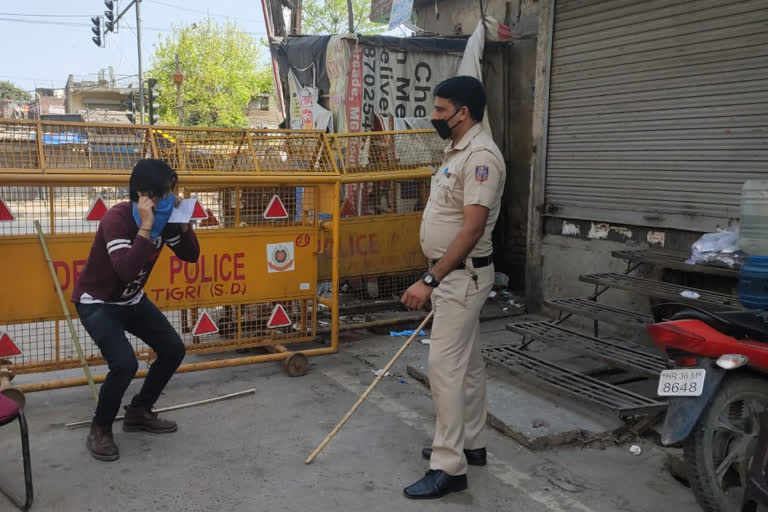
(456, 228)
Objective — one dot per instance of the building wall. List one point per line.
(10, 109)
(571, 248)
(509, 75)
(258, 118)
(88, 100)
(52, 105)
(560, 249)
(460, 17)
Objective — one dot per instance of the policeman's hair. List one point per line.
(464, 91)
(153, 177)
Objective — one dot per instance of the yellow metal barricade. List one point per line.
(345, 210)
(255, 282)
(386, 180)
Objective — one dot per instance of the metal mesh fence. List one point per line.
(368, 292)
(94, 147)
(80, 148)
(258, 203)
(204, 150)
(287, 151)
(384, 197)
(386, 151)
(65, 147)
(77, 209)
(248, 324)
(264, 206)
(49, 345)
(21, 206)
(382, 287)
(18, 148)
(117, 147)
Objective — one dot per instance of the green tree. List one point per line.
(330, 17)
(264, 81)
(220, 66)
(8, 91)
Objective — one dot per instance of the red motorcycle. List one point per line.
(716, 392)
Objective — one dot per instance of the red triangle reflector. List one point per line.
(211, 220)
(276, 209)
(205, 325)
(198, 213)
(278, 318)
(8, 347)
(5, 212)
(97, 210)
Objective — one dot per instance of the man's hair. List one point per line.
(464, 91)
(153, 177)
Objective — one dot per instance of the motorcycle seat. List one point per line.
(754, 323)
(751, 325)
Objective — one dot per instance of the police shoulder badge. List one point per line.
(481, 173)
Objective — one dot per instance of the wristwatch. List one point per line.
(430, 280)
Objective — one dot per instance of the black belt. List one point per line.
(482, 261)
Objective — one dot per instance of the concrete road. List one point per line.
(248, 454)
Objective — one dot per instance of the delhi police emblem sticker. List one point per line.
(280, 257)
(481, 173)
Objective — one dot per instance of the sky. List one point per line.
(51, 39)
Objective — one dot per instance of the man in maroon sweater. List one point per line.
(109, 299)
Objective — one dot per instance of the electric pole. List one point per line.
(351, 15)
(141, 72)
(178, 78)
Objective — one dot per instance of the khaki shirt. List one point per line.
(473, 172)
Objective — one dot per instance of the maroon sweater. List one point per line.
(120, 261)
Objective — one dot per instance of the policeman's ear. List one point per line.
(465, 113)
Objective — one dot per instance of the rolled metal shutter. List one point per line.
(658, 110)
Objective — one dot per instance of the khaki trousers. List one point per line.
(456, 367)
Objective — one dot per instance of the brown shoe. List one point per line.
(141, 418)
(101, 444)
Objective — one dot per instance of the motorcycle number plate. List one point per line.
(682, 382)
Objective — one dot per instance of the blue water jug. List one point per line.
(753, 283)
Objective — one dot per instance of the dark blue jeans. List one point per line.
(107, 324)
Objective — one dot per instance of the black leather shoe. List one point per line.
(435, 484)
(475, 457)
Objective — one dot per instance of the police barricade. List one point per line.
(385, 185)
(259, 206)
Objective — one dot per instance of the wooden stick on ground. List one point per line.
(177, 407)
(65, 309)
(367, 392)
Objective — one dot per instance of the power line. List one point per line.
(118, 78)
(44, 15)
(189, 9)
(72, 24)
(42, 22)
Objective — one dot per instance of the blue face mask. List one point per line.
(163, 211)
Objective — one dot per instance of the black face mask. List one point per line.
(442, 127)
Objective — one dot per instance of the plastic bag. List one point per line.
(726, 241)
(718, 249)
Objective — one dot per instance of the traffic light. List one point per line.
(96, 29)
(130, 107)
(153, 93)
(110, 14)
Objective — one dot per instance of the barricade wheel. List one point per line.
(7, 362)
(296, 365)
